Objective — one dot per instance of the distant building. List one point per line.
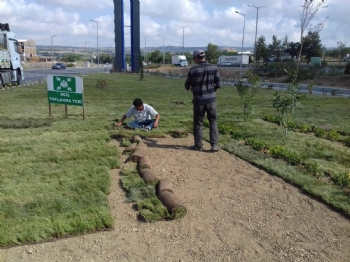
(245, 53)
(29, 49)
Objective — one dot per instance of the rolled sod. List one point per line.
(179, 133)
(173, 205)
(137, 155)
(149, 176)
(144, 162)
(141, 146)
(136, 139)
(163, 185)
(130, 149)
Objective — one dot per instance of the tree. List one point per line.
(309, 10)
(293, 49)
(261, 49)
(156, 57)
(212, 54)
(70, 58)
(275, 48)
(312, 46)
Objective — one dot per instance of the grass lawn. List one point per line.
(54, 172)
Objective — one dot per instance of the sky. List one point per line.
(192, 23)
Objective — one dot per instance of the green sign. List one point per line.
(65, 90)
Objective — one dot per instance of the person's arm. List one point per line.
(121, 121)
(188, 82)
(217, 81)
(155, 124)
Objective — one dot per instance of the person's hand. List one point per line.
(118, 124)
(155, 124)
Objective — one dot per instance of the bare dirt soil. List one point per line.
(236, 212)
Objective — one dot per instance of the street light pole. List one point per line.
(85, 50)
(240, 70)
(163, 50)
(183, 38)
(52, 48)
(98, 55)
(256, 26)
(145, 54)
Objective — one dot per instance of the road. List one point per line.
(35, 75)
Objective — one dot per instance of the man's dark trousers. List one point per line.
(198, 116)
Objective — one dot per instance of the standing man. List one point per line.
(143, 114)
(203, 80)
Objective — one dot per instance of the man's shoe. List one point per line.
(196, 148)
(215, 148)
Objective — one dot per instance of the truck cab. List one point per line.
(11, 70)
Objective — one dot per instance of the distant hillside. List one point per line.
(171, 49)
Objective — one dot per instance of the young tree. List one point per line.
(309, 10)
(261, 49)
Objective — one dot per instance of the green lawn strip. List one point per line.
(332, 195)
(54, 183)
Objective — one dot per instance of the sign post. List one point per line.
(65, 90)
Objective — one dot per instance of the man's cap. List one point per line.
(199, 54)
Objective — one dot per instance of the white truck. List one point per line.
(11, 70)
(233, 60)
(179, 60)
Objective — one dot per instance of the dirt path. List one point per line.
(236, 212)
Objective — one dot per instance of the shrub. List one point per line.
(319, 132)
(223, 129)
(237, 135)
(278, 151)
(332, 135)
(304, 128)
(256, 144)
(313, 168)
(294, 158)
(347, 141)
(341, 179)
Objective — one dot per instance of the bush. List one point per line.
(341, 179)
(256, 144)
(347, 141)
(313, 168)
(332, 135)
(319, 132)
(294, 158)
(278, 151)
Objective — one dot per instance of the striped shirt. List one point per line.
(203, 79)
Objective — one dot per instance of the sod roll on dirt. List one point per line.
(179, 133)
(149, 176)
(136, 139)
(130, 149)
(141, 146)
(173, 205)
(144, 162)
(163, 185)
(138, 154)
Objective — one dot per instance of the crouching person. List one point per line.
(143, 114)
